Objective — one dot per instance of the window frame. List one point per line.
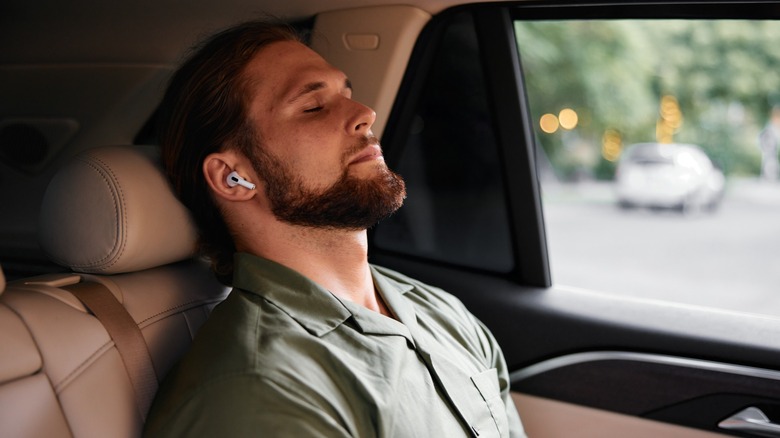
(495, 36)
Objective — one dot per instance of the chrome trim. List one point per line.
(751, 420)
(598, 356)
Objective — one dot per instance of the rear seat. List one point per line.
(111, 218)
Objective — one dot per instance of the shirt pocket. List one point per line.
(487, 385)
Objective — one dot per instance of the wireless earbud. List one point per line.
(234, 179)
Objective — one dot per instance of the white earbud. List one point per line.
(234, 179)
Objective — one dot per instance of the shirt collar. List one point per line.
(373, 323)
(392, 293)
(312, 306)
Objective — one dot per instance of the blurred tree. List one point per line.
(615, 74)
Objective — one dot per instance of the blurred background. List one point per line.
(657, 149)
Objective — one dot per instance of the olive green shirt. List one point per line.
(281, 356)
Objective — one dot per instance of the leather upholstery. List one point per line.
(110, 211)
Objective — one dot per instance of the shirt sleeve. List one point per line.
(248, 406)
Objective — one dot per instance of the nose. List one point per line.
(362, 119)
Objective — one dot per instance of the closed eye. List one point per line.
(313, 110)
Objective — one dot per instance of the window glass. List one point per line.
(658, 156)
(455, 210)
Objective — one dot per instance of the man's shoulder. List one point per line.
(248, 345)
(239, 337)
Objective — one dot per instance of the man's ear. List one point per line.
(217, 167)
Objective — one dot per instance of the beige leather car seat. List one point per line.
(111, 218)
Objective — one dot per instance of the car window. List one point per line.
(455, 211)
(657, 154)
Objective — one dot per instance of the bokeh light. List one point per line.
(548, 123)
(568, 118)
(611, 145)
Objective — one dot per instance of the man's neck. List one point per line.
(335, 259)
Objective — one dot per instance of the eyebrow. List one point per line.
(314, 86)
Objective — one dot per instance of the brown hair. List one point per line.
(204, 111)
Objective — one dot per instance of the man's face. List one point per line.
(320, 162)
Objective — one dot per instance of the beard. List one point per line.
(349, 204)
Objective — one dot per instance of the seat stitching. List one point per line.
(58, 386)
(31, 332)
(121, 230)
(86, 363)
(101, 171)
(189, 304)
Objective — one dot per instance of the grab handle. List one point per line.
(751, 420)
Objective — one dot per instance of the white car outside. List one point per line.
(679, 176)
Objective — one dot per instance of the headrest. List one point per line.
(111, 210)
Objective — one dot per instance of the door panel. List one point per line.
(546, 418)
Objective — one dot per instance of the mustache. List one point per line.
(363, 143)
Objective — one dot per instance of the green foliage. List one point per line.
(605, 170)
(614, 74)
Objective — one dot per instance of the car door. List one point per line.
(508, 127)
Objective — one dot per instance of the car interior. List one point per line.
(102, 289)
(111, 218)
